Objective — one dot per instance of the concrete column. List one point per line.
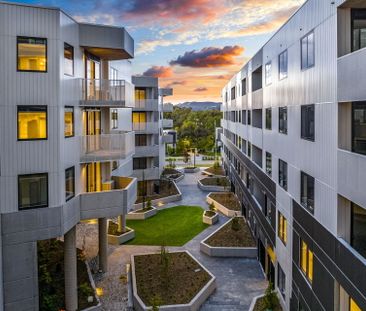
(122, 223)
(70, 257)
(103, 244)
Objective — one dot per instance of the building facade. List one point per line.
(294, 132)
(66, 141)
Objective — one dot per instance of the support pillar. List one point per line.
(70, 258)
(103, 244)
(122, 223)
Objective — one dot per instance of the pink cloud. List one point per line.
(159, 72)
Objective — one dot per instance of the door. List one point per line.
(92, 129)
(92, 74)
(93, 177)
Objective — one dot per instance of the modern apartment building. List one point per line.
(294, 133)
(65, 124)
(148, 124)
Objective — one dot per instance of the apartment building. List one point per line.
(65, 125)
(294, 132)
(148, 124)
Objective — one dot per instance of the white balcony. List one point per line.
(107, 147)
(146, 127)
(107, 93)
(167, 123)
(168, 107)
(147, 104)
(168, 139)
(151, 173)
(147, 151)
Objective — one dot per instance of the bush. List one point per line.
(148, 204)
(212, 207)
(85, 290)
(235, 225)
(270, 298)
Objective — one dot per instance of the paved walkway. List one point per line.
(238, 280)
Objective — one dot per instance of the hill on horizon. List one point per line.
(199, 106)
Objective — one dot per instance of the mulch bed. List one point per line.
(170, 171)
(113, 229)
(216, 171)
(210, 213)
(227, 199)
(166, 189)
(260, 305)
(178, 284)
(227, 237)
(215, 181)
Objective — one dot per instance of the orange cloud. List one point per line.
(158, 72)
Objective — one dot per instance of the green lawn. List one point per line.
(171, 227)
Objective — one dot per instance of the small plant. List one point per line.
(216, 165)
(270, 298)
(85, 290)
(156, 301)
(148, 204)
(212, 207)
(235, 225)
(165, 262)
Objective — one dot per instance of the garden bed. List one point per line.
(214, 184)
(51, 277)
(214, 171)
(116, 237)
(259, 303)
(191, 169)
(225, 202)
(142, 214)
(182, 283)
(210, 217)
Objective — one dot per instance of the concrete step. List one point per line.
(210, 307)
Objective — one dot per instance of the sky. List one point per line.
(193, 46)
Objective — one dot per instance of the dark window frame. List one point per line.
(244, 87)
(307, 66)
(306, 126)
(352, 235)
(269, 169)
(268, 125)
(19, 197)
(281, 285)
(307, 206)
(139, 161)
(285, 52)
(283, 127)
(72, 168)
(66, 45)
(73, 121)
(355, 106)
(34, 38)
(19, 107)
(354, 12)
(283, 178)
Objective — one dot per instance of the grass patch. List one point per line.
(215, 181)
(227, 199)
(261, 306)
(228, 237)
(171, 227)
(216, 171)
(176, 283)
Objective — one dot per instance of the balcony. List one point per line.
(168, 107)
(146, 127)
(107, 93)
(147, 104)
(110, 203)
(167, 123)
(168, 139)
(147, 151)
(151, 173)
(107, 147)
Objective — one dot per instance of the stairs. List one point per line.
(215, 303)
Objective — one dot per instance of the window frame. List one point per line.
(308, 177)
(352, 235)
(282, 228)
(283, 279)
(244, 87)
(72, 168)
(268, 73)
(306, 273)
(353, 18)
(282, 185)
(355, 106)
(73, 121)
(303, 68)
(17, 116)
(268, 169)
(46, 54)
(270, 118)
(47, 193)
(285, 121)
(304, 110)
(67, 45)
(285, 52)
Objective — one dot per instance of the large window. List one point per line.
(282, 174)
(269, 163)
(358, 29)
(140, 140)
(282, 228)
(139, 163)
(32, 191)
(306, 260)
(244, 86)
(269, 118)
(358, 229)
(308, 122)
(138, 117)
(268, 73)
(283, 65)
(32, 122)
(359, 127)
(307, 51)
(68, 60)
(233, 89)
(32, 54)
(281, 282)
(282, 120)
(69, 183)
(69, 121)
(307, 191)
(140, 94)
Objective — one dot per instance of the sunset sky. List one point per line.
(194, 46)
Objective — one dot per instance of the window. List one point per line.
(68, 60)
(249, 150)
(32, 191)
(353, 306)
(269, 164)
(307, 51)
(69, 121)
(138, 117)
(359, 127)
(70, 183)
(244, 117)
(282, 228)
(269, 118)
(114, 118)
(358, 17)
(282, 174)
(32, 54)
(358, 229)
(140, 140)
(268, 73)
(32, 122)
(306, 260)
(249, 117)
(140, 94)
(307, 191)
(244, 87)
(283, 65)
(266, 207)
(282, 120)
(233, 93)
(281, 282)
(139, 163)
(308, 122)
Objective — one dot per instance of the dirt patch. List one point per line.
(227, 237)
(166, 189)
(178, 284)
(216, 171)
(261, 306)
(113, 229)
(215, 181)
(227, 199)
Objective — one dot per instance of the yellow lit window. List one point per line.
(138, 117)
(140, 94)
(32, 122)
(353, 306)
(32, 54)
(304, 253)
(306, 261)
(282, 228)
(69, 121)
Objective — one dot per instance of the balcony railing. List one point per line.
(168, 139)
(147, 104)
(168, 107)
(151, 127)
(147, 151)
(148, 173)
(107, 147)
(167, 123)
(96, 92)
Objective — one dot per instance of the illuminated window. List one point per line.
(306, 260)
(353, 305)
(32, 122)
(32, 54)
(68, 60)
(139, 117)
(140, 94)
(69, 121)
(282, 228)
(32, 191)
(70, 183)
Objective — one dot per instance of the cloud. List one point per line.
(201, 89)
(209, 57)
(158, 72)
(174, 83)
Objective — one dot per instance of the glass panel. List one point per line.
(94, 177)
(311, 50)
(282, 120)
(268, 118)
(283, 65)
(33, 191)
(69, 121)
(268, 72)
(310, 266)
(353, 305)
(70, 183)
(304, 53)
(32, 122)
(268, 163)
(303, 256)
(359, 127)
(358, 229)
(32, 54)
(68, 59)
(358, 29)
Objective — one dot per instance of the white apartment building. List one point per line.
(65, 124)
(294, 133)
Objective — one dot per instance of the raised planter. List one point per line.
(210, 188)
(123, 238)
(139, 215)
(193, 305)
(227, 212)
(191, 170)
(98, 307)
(255, 299)
(210, 220)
